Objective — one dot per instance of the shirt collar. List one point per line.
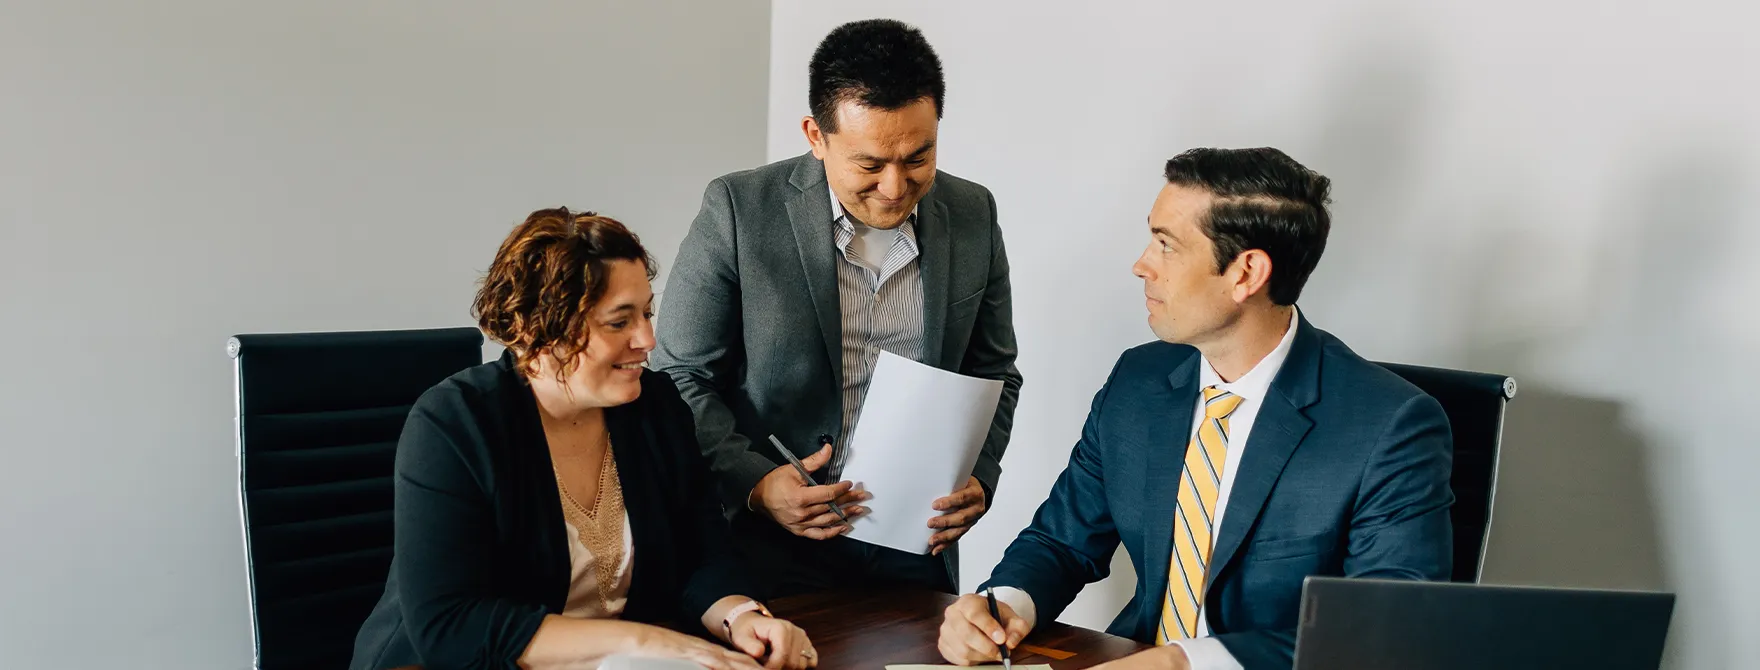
(1257, 382)
(841, 219)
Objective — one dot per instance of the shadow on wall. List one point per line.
(1574, 506)
(1577, 501)
(1582, 482)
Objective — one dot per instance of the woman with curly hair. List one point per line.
(552, 507)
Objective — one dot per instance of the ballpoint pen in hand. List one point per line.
(990, 595)
(806, 477)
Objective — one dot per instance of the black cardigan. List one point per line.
(481, 554)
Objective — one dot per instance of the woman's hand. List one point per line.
(776, 642)
(662, 643)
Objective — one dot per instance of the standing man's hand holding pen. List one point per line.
(805, 509)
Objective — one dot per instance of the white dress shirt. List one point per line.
(1206, 653)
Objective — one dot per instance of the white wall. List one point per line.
(175, 172)
(1561, 191)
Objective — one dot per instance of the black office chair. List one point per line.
(318, 419)
(1474, 402)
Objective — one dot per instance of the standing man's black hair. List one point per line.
(878, 63)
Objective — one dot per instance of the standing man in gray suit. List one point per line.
(796, 275)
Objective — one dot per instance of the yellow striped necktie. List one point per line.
(1199, 484)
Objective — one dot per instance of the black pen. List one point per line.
(994, 614)
(807, 477)
(825, 441)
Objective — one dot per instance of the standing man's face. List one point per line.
(880, 162)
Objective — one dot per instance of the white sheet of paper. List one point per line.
(1017, 666)
(919, 436)
(627, 662)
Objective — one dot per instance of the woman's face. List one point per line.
(620, 333)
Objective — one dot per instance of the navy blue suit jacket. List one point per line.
(1345, 474)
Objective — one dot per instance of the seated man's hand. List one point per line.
(959, 510)
(969, 634)
(805, 510)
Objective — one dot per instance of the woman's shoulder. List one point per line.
(477, 395)
(461, 421)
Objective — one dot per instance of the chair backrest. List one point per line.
(318, 416)
(1474, 402)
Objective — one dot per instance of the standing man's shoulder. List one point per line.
(735, 202)
(768, 182)
(963, 197)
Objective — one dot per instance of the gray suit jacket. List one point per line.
(750, 328)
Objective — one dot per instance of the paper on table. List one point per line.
(918, 437)
(1017, 666)
(627, 662)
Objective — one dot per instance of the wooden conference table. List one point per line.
(870, 630)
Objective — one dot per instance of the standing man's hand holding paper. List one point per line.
(913, 450)
(959, 510)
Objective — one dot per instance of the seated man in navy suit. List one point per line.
(1243, 452)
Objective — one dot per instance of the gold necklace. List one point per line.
(601, 526)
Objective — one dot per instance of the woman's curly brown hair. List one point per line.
(550, 272)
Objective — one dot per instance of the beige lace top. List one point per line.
(599, 549)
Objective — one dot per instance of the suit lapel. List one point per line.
(934, 247)
(809, 213)
(1277, 431)
(1169, 437)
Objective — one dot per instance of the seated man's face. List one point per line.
(1188, 299)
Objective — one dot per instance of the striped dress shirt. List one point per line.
(880, 297)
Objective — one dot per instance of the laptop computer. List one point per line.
(1374, 624)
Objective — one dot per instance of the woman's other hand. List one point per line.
(777, 643)
(662, 643)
